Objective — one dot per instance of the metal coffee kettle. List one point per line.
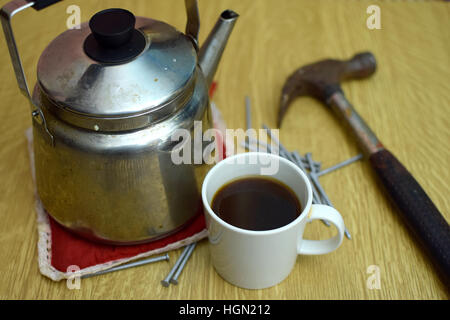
(108, 98)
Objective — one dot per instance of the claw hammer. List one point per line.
(321, 81)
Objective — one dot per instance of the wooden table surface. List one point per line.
(406, 103)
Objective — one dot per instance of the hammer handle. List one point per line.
(420, 214)
(418, 211)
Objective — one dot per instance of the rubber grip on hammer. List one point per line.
(418, 211)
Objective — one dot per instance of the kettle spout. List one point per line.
(212, 50)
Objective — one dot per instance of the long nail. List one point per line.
(248, 112)
(316, 183)
(279, 144)
(174, 280)
(166, 281)
(341, 165)
(259, 145)
(128, 266)
(304, 161)
(316, 198)
(256, 145)
(249, 147)
(316, 195)
(327, 200)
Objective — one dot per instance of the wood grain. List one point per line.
(407, 104)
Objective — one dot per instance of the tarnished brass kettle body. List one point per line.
(108, 99)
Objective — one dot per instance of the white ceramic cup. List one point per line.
(261, 259)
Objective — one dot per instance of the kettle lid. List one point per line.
(117, 66)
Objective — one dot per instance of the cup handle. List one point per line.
(317, 247)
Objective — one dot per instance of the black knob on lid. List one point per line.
(112, 27)
(114, 38)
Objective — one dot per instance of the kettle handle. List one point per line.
(193, 21)
(42, 4)
(6, 14)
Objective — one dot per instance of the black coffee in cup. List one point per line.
(256, 203)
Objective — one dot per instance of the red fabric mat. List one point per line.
(69, 249)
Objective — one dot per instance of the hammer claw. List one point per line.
(322, 79)
(292, 89)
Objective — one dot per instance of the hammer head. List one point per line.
(322, 79)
